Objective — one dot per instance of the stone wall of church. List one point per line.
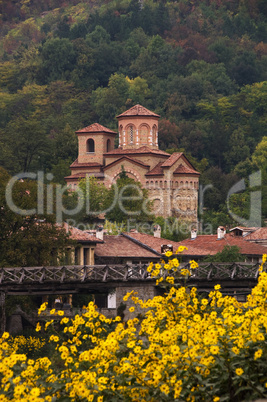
(174, 197)
(134, 171)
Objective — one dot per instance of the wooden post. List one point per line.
(2, 312)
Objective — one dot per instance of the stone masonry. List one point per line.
(171, 180)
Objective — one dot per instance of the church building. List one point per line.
(171, 180)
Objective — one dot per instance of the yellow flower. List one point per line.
(168, 253)
(193, 264)
(257, 354)
(170, 279)
(38, 327)
(214, 350)
(159, 280)
(42, 308)
(164, 388)
(181, 249)
(5, 335)
(216, 399)
(60, 312)
(35, 392)
(235, 350)
(217, 287)
(184, 272)
(196, 318)
(131, 309)
(239, 371)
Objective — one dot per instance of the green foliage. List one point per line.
(96, 199)
(173, 228)
(27, 239)
(65, 65)
(130, 201)
(228, 254)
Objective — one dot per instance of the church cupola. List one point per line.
(94, 141)
(138, 127)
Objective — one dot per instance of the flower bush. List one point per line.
(183, 347)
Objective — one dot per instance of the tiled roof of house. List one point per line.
(202, 245)
(76, 164)
(141, 150)
(95, 128)
(257, 234)
(156, 171)
(152, 241)
(245, 228)
(80, 235)
(211, 244)
(129, 159)
(185, 170)
(172, 159)
(137, 110)
(121, 246)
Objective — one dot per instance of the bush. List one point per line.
(182, 348)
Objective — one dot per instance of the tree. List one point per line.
(228, 254)
(58, 59)
(130, 201)
(27, 239)
(27, 139)
(238, 149)
(96, 198)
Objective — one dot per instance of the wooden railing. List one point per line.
(128, 272)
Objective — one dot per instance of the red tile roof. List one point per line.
(121, 246)
(172, 159)
(137, 110)
(154, 242)
(76, 164)
(95, 128)
(141, 150)
(202, 245)
(127, 158)
(185, 170)
(80, 235)
(211, 244)
(156, 171)
(258, 234)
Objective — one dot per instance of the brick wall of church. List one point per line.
(100, 142)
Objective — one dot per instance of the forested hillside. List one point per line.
(200, 64)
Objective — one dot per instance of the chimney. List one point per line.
(193, 234)
(99, 232)
(157, 231)
(221, 232)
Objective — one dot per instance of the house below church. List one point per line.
(171, 180)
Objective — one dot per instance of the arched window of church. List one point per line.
(90, 146)
(143, 135)
(154, 135)
(108, 145)
(130, 132)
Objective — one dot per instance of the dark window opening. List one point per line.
(90, 145)
(101, 300)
